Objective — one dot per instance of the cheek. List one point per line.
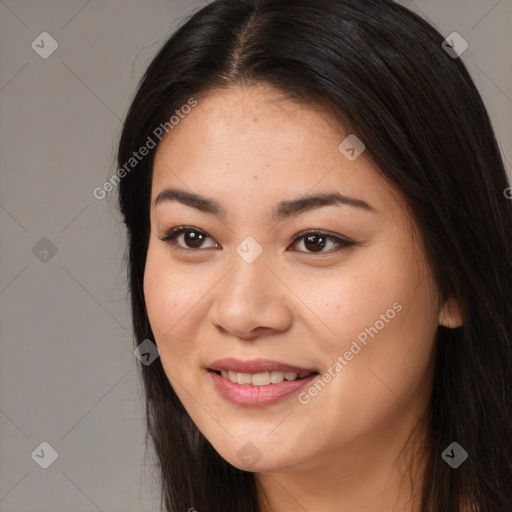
(386, 328)
(355, 297)
(172, 296)
(381, 312)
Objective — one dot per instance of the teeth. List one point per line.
(276, 377)
(243, 378)
(261, 379)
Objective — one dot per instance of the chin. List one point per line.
(258, 459)
(262, 466)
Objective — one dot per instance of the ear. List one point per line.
(450, 314)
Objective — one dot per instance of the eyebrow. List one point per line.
(282, 210)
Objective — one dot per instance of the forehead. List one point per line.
(251, 143)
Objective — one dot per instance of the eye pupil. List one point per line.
(315, 247)
(193, 237)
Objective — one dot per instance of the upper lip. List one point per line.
(255, 366)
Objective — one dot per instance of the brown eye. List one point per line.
(192, 238)
(316, 241)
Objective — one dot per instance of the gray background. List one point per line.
(67, 371)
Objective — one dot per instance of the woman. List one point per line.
(320, 247)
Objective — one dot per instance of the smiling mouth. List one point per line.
(267, 378)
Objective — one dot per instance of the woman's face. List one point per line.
(353, 302)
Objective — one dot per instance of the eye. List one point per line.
(193, 238)
(316, 241)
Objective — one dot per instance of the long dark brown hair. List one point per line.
(383, 72)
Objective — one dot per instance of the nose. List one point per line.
(251, 301)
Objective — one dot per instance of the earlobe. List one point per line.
(450, 314)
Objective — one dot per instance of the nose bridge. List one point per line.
(249, 277)
(250, 296)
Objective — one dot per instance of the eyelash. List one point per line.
(170, 236)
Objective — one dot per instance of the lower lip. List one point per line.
(252, 396)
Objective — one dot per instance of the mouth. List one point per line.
(257, 382)
(262, 378)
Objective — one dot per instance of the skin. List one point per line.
(248, 148)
